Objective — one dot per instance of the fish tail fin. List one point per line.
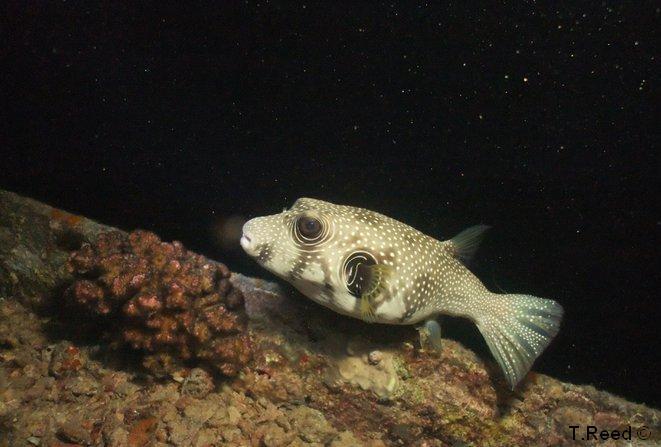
(517, 328)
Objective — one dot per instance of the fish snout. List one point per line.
(248, 237)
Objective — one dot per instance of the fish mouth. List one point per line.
(245, 241)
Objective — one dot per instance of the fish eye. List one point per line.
(309, 227)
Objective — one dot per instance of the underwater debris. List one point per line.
(158, 298)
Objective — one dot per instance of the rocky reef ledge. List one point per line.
(110, 338)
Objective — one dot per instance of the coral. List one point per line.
(162, 300)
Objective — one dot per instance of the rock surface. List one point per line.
(314, 377)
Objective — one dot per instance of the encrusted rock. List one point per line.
(65, 359)
(199, 383)
(312, 425)
(372, 370)
(74, 430)
(375, 357)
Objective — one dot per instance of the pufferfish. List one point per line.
(369, 266)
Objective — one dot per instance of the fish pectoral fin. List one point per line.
(430, 335)
(373, 278)
(366, 309)
(373, 282)
(466, 243)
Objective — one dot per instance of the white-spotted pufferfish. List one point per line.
(368, 266)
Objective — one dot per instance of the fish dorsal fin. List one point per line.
(466, 243)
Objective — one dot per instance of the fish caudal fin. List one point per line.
(517, 328)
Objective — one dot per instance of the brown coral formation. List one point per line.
(173, 305)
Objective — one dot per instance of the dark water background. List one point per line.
(539, 122)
